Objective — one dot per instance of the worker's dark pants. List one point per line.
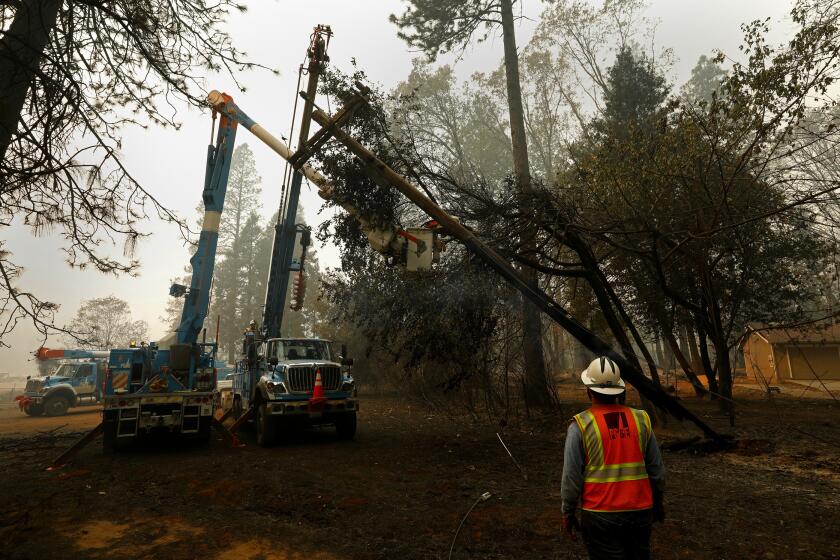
(617, 536)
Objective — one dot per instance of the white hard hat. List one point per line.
(603, 376)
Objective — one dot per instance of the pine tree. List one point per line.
(439, 26)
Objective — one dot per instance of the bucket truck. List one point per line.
(277, 381)
(78, 381)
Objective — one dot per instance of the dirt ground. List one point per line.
(402, 487)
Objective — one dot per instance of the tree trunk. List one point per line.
(723, 366)
(678, 353)
(536, 386)
(707, 362)
(609, 303)
(696, 362)
(628, 322)
(660, 355)
(21, 49)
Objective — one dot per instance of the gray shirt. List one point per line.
(574, 461)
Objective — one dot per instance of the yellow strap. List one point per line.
(591, 437)
(642, 420)
(615, 473)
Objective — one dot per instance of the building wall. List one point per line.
(810, 362)
(758, 360)
(782, 369)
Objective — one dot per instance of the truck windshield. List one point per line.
(302, 350)
(65, 370)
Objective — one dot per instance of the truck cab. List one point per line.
(71, 384)
(278, 377)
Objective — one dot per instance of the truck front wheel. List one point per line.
(56, 405)
(34, 409)
(345, 425)
(266, 427)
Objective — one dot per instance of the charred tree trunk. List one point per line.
(536, 386)
(609, 303)
(21, 49)
(723, 367)
(660, 355)
(680, 356)
(628, 322)
(707, 362)
(688, 333)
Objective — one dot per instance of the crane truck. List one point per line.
(169, 385)
(78, 381)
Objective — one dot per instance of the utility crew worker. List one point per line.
(613, 468)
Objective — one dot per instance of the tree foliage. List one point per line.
(72, 74)
(105, 323)
(436, 26)
(699, 206)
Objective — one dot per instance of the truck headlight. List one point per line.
(276, 388)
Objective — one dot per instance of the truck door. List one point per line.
(84, 380)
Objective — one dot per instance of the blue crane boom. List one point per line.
(197, 300)
(286, 230)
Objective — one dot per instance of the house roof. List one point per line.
(820, 333)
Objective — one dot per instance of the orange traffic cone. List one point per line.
(316, 403)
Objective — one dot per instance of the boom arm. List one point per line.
(383, 240)
(43, 354)
(197, 298)
(285, 231)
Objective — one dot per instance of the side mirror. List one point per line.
(273, 360)
(343, 350)
(346, 361)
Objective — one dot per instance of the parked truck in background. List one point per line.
(78, 381)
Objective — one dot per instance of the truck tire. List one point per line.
(266, 427)
(56, 405)
(345, 425)
(34, 409)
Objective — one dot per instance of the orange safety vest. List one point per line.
(615, 438)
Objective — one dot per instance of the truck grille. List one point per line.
(33, 386)
(302, 378)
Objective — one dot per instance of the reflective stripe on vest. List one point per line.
(615, 477)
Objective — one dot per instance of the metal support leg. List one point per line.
(242, 419)
(226, 415)
(228, 436)
(76, 447)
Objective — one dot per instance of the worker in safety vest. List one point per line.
(613, 468)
